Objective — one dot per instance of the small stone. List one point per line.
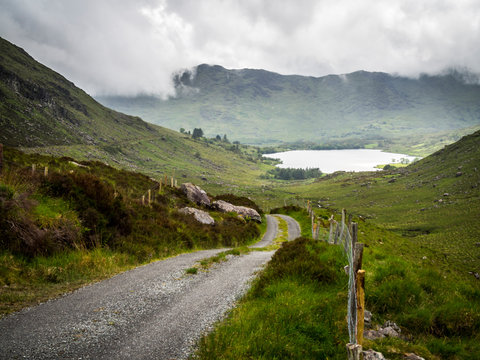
(459, 173)
(424, 258)
(412, 356)
(390, 332)
(372, 355)
(367, 318)
(446, 194)
(373, 335)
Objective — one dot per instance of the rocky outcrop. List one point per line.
(195, 194)
(224, 206)
(199, 215)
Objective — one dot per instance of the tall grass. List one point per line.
(293, 310)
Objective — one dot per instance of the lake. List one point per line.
(329, 161)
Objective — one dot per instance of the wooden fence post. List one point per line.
(354, 351)
(34, 167)
(357, 257)
(143, 199)
(354, 229)
(1, 158)
(45, 172)
(149, 196)
(360, 305)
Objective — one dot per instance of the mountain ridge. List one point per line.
(261, 107)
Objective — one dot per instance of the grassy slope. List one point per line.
(85, 223)
(42, 112)
(420, 258)
(258, 106)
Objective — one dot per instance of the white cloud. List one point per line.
(129, 47)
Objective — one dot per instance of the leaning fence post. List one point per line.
(360, 305)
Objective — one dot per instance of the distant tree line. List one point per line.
(294, 174)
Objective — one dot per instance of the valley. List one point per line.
(110, 199)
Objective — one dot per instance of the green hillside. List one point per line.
(42, 112)
(261, 107)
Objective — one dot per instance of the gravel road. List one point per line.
(152, 312)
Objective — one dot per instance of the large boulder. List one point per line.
(244, 211)
(199, 215)
(195, 194)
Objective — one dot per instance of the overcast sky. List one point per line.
(133, 46)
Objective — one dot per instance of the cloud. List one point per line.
(128, 47)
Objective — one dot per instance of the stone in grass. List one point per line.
(372, 355)
(195, 194)
(199, 215)
(224, 206)
(389, 329)
(367, 319)
(412, 356)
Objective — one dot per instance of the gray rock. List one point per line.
(412, 356)
(367, 318)
(199, 215)
(195, 194)
(389, 332)
(372, 355)
(458, 174)
(224, 206)
(373, 335)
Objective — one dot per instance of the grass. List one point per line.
(83, 224)
(292, 310)
(25, 282)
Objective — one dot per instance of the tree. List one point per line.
(218, 138)
(197, 133)
(182, 130)
(225, 138)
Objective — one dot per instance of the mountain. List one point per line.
(41, 111)
(262, 107)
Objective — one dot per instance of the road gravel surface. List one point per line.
(155, 311)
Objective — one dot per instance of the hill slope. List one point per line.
(258, 106)
(41, 111)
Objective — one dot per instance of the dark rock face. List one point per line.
(224, 206)
(199, 215)
(195, 194)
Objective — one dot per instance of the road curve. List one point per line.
(293, 227)
(152, 312)
(270, 234)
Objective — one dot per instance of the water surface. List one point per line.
(329, 161)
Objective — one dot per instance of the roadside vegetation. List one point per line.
(83, 222)
(293, 311)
